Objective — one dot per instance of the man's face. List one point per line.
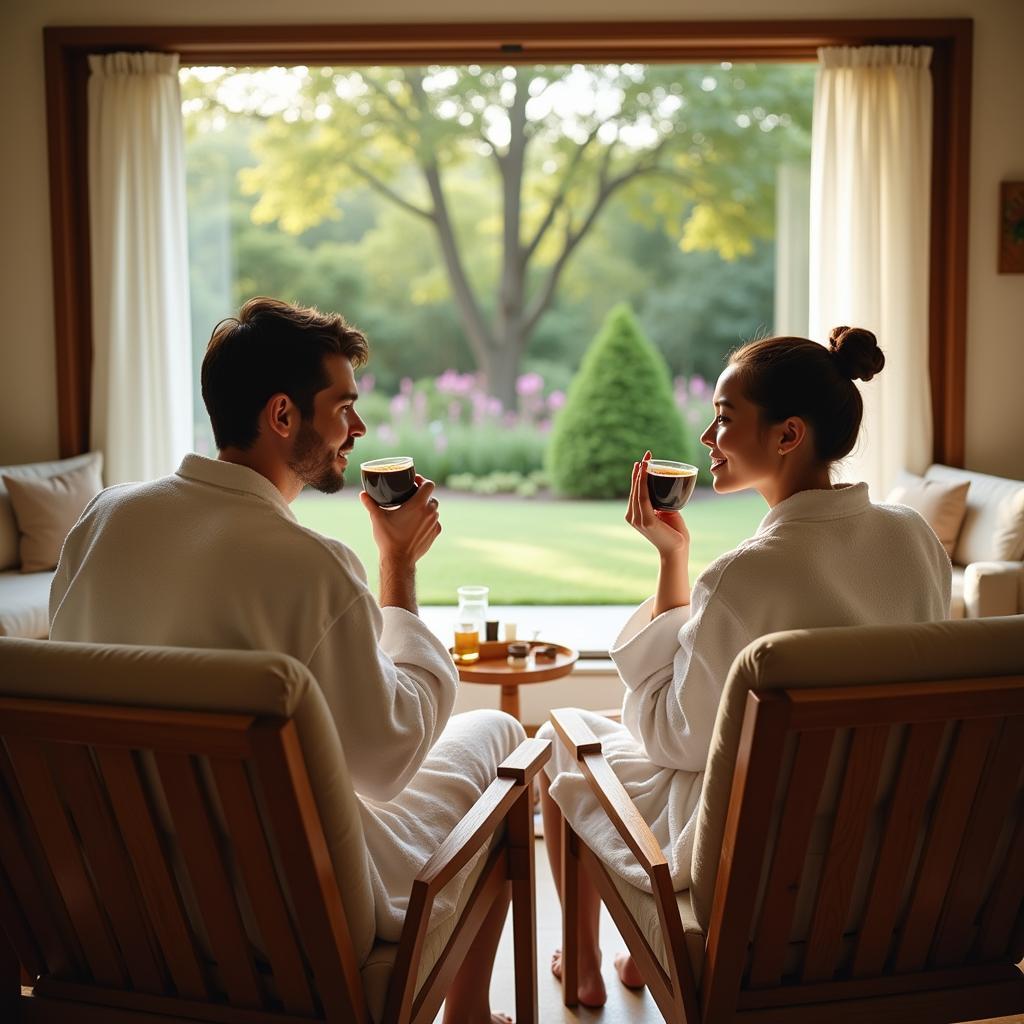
(320, 453)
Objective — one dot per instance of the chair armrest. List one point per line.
(993, 588)
(514, 777)
(605, 785)
(476, 827)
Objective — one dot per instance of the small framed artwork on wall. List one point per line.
(1011, 227)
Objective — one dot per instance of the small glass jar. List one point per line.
(518, 655)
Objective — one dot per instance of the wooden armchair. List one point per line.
(179, 841)
(860, 843)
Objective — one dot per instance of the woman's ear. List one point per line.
(793, 431)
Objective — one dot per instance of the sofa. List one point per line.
(988, 554)
(24, 596)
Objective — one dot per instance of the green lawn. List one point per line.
(539, 552)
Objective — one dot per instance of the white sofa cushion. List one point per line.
(957, 608)
(24, 604)
(993, 529)
(9, 556)
(993, 588)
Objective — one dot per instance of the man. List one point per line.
(212, 556)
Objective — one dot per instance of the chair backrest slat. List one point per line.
(19, 933)
(860, 784)
(292, 811)
(32, 885)
(257, 870)
(802, 794)
(166, 913)
(962, 774)
(899, 837)
(1004, 907)
(112, 875)
(210, 879)
(63, 854)
(982, 832)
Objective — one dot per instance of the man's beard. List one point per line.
(313, 462)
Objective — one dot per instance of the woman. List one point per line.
(786, 410)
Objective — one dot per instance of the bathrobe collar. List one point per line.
(837, 503)
(230, 476)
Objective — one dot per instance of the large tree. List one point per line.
(557, 142)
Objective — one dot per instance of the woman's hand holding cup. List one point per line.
(665, 529)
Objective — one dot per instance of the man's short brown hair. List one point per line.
(271, 347)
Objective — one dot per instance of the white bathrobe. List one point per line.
(212, 556)
(819, 558)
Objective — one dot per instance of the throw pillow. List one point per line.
(942, 505)
(9, 540)
(45, 511)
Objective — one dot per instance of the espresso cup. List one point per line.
(390, 482)
(670, 484)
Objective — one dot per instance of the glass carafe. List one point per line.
(469, 620)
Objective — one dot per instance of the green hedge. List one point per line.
(619, 405)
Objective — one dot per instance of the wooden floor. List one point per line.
(624, 1006)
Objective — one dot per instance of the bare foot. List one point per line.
(590, 990)
(629, 973)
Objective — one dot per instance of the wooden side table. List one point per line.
(493, 669)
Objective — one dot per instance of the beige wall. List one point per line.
(995, 338)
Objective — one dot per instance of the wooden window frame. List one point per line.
(67, 49)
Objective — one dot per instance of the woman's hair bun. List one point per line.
(856, 352)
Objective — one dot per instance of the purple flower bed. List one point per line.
(451, 425)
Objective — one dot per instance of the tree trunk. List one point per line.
(501, 368)
(506, 351)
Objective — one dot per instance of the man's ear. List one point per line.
(280, 415)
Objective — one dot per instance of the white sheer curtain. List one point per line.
(141, 390)
(870, 198)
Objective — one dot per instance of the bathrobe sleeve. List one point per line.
(674, 674)
(390, 685)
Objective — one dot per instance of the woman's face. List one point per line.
(744, 451)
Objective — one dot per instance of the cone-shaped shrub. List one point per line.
(619, 404)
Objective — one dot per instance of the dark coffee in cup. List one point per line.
(670, 484)
(390, 482)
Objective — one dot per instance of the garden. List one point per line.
(551, 263)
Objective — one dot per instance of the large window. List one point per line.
(67, 51)
(480, 222)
